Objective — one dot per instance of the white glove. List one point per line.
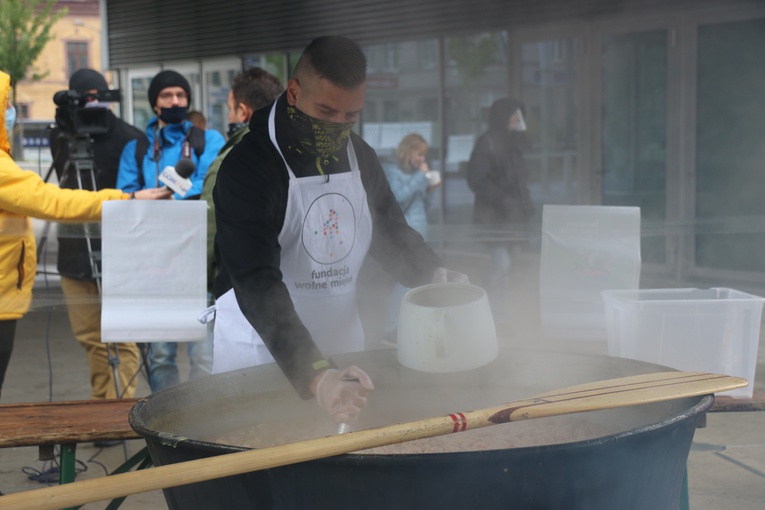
(443, 275)
(342, 393)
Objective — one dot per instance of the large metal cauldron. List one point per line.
(637, 465)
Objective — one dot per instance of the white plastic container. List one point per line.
(585, 250)
(715, 330)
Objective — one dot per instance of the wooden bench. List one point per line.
(47, 424)
(54, 423)
(725, 404)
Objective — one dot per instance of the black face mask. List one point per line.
(174, 114)
(235, 127)
(321, 138)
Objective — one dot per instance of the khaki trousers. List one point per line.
(84, 309)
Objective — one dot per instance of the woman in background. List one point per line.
(413, 184)
(412, 181)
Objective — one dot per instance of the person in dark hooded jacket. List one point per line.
(497, 175)
(76, 251)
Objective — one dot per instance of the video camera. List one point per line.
(75, 117)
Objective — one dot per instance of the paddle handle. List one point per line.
(608, 394)
(172, 475)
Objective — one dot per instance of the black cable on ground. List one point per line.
(50, 472)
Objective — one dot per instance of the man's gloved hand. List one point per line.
(342, 393)
(443, 275)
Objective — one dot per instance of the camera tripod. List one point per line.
(74, 160)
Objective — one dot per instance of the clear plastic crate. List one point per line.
(715, 330)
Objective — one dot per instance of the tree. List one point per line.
(25, 29)
(472, 57)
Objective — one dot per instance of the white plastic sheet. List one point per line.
(585, 250)
(154, 270)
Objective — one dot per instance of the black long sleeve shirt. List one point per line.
(250, 199)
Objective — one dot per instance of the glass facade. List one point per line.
(403, 98)
(475, 75)
(217, 85)
(634, 121)
(730, 153)
(605, 117)
(549, 89)
(139, 90)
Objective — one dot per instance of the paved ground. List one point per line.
(726, 465)
(49, 365)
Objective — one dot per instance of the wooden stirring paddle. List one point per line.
(608, 394)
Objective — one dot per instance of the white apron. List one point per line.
(325, 238)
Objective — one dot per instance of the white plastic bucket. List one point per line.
(446, 327)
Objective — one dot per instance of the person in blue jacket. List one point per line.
(413, 184)
(411, 181)
(169, 137)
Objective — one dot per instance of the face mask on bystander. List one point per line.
(174, 114)
(10, 119)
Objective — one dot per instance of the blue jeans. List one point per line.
(163, 370)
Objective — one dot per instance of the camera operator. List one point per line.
(24, 194)
(103, 145)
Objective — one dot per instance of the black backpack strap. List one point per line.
(141, 146)
(197, 140)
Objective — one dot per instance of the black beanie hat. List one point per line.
(87, 79)
(165, 79)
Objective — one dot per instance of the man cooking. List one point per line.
(298, 207)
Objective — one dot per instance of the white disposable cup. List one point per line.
(434, 177)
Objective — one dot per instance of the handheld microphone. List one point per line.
(177, 178)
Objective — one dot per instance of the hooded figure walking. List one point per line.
(498, 177)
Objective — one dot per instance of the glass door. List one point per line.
(633, 129)
(677, 109)
(475, 75)
(218, 76)
(729, 150)
(136, 100)
(549, 76)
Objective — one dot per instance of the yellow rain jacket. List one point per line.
(24, 194)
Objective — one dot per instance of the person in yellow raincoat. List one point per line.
(24, 194)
